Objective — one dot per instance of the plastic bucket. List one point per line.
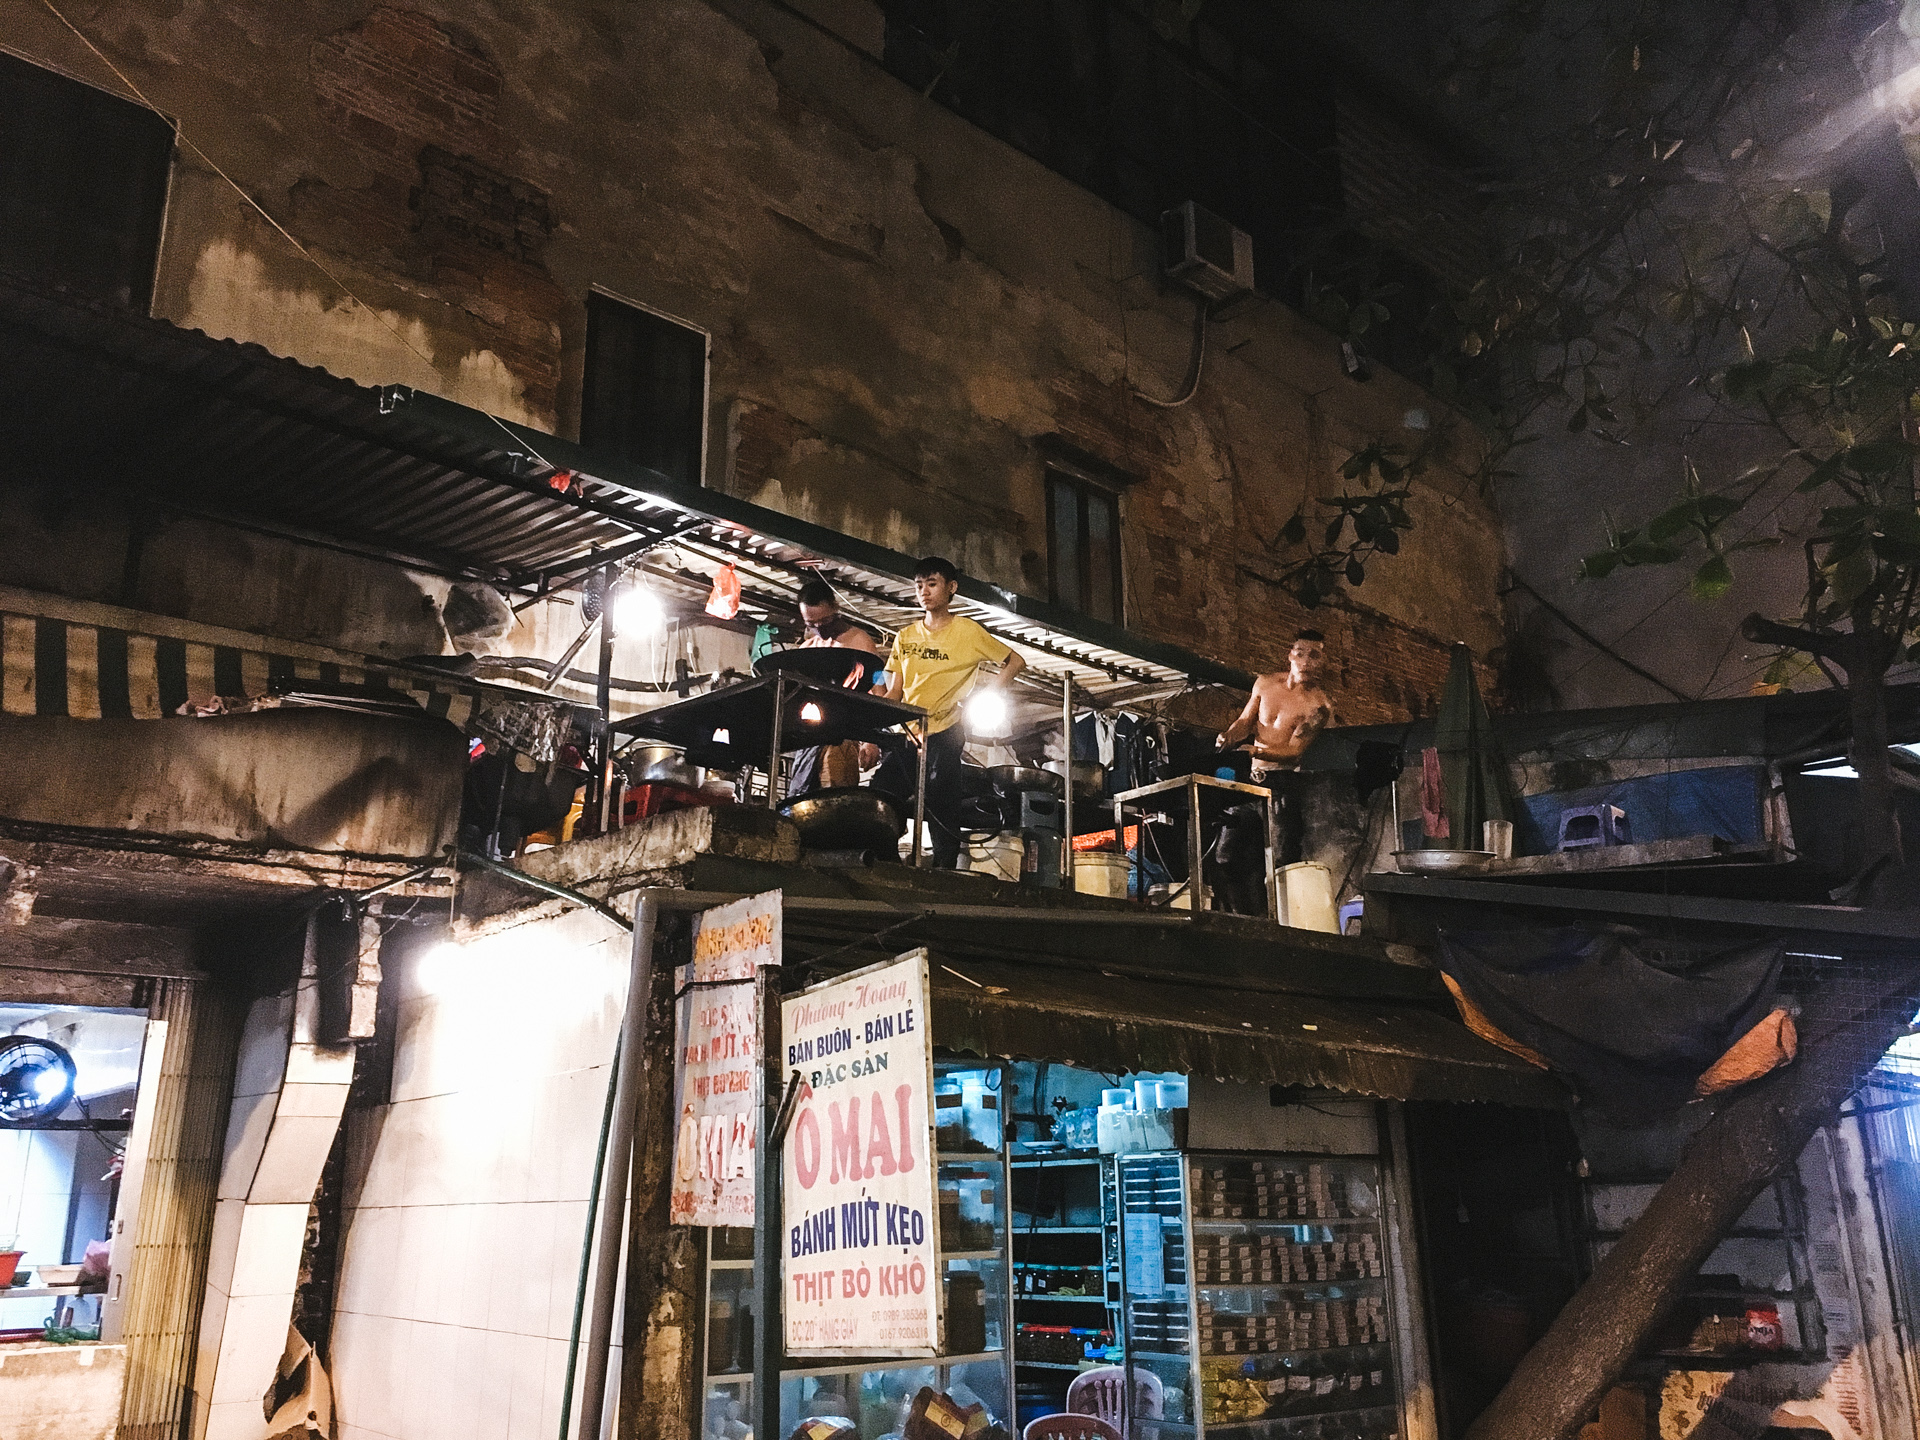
(1100, 872)
(999, 856)
(1309, 891)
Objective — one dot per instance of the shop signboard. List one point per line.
(858, 1185)
(717, 1063)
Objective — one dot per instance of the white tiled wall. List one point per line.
(467, 1196)
(287, 1097)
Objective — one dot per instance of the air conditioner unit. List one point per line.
(1207, 254)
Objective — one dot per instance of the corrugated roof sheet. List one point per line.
(229, 431)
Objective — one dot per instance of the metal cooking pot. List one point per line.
(662, 765)
(845, 817)
(1010, 780)
(1089, 778)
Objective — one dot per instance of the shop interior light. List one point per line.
(988, 714)
(723, 736)
(636, 609)
(810, 712)
(37, 1079)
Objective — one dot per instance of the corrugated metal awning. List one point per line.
(1117, 1023)
(176, 419)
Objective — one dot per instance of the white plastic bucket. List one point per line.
(999, 856)
(1309, 890)
(1100, 872)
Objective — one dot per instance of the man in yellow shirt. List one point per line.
(932, 665)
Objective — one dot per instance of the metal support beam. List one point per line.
(622, 1136)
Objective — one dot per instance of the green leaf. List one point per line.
(1644, 553)
(1900, 523)
(1879, 455)
(1713, 579)
(1850, 577)
(1677, 521)
(1598, 567)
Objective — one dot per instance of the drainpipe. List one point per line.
(617, 1161)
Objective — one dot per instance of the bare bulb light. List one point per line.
(988, 714)
(810, 713)
(637, 610)
(439, 968)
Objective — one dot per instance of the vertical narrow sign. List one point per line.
(717, 1063)
(859, 1219)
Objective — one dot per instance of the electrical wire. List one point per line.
(1199, 361)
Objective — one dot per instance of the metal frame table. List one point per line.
(761, 719)
(1188, 790)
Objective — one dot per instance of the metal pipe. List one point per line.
(1196, 850)
(920, 792)
(586, 1247)
(1066, 806)
(773, 760)
(603, 694)
(622, 1136)
(547, 887)
(769, 1338)
(559, 667)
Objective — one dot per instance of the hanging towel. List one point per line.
(1433, 797)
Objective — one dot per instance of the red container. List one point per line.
(9, 1262)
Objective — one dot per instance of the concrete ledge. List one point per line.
(61, 1392)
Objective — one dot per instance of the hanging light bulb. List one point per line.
(439, 968)
(636, 610)
(988, 713)
(810, 712)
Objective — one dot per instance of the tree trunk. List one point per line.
(1562, 1379)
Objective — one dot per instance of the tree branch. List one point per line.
(1763, 631)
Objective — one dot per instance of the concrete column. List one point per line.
(288, 1095)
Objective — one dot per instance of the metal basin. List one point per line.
(1089, 778)
(662, 765)
(844, 817)
(1012, 779)
(1442, 862)
(827, 664)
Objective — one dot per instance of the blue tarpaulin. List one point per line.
(1726, 801)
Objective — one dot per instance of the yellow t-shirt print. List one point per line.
(936, 669)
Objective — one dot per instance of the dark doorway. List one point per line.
(1497, 1201)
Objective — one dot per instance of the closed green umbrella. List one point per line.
(1473, 771)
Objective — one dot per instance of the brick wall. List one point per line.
(418, 102)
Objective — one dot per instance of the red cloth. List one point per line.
(1433, 797)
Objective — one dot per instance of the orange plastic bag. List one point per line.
(723, 601)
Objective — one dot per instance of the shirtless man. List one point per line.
(1283, 715)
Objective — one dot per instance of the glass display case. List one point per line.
(874, 1395)
(1256, 1296)
(1066, 1275)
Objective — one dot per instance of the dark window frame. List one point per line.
(595, 426)
(119, 266)
(1061, 475)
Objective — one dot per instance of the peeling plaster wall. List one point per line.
(899, 303)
